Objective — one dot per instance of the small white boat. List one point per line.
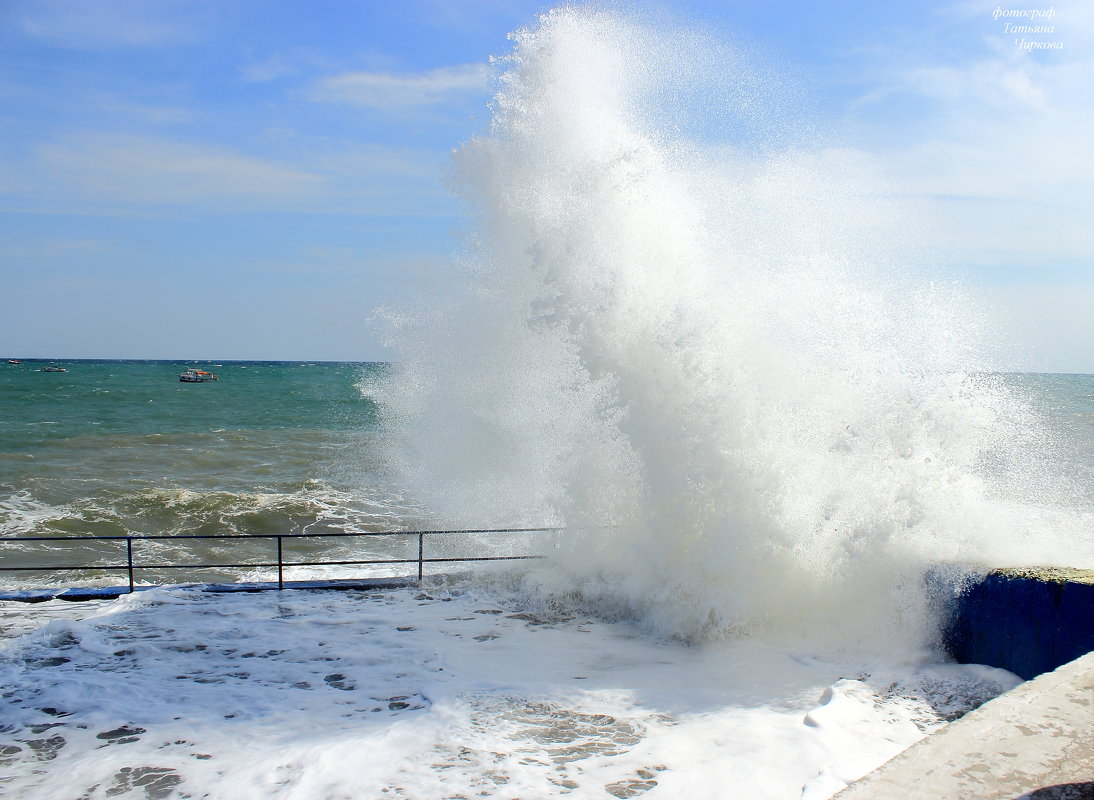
(197, 376)
(54, 368)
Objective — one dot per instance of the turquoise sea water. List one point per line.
(111, 448)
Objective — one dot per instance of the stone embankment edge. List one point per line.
(1038, 735)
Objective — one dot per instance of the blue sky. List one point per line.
(249, 179)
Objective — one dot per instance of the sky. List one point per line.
(251, 179)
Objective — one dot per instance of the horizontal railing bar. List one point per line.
(407, 561)
(60, 569)
(478, 558)
(137, 565)
(165, 536)
(375, 561)
(271, 564)
(6, 539)
(274, 564)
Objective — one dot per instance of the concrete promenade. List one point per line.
(1038, 735)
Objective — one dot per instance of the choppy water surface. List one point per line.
(115, 448)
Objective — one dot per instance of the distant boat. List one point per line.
(197, 376)
(54, 368)
(14, 361)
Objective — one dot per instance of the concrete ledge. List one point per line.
(1038, 737)
(112, 592)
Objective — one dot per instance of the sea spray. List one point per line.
(704, 358)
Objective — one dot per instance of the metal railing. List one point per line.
(132, 564)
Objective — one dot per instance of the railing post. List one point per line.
(421, 547)
(129, 560)
(280, 566)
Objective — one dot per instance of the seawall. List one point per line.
(1028, 621)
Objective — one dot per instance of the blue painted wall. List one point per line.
(1027, 624)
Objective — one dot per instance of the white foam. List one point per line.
(21, 513)
(329, 694)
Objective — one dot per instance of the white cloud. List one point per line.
(992, 82)
(362, 162)
(141, 112)
(109, 23)
(385, 91)
(57, 248)
(134, 175)
(383, 180)
(155, 170)
(999, 147)
(293, 61)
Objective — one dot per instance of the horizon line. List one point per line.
(373, 362)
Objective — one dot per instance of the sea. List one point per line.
(713, 358)
(118, 448)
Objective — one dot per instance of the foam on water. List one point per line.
(709, 353)
(177, 693)
(310, 508)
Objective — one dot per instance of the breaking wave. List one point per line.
(700, 344)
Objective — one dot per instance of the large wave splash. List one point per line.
(701, 354)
